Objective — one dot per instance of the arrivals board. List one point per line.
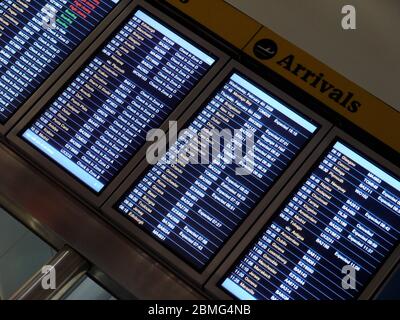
(193, 208)
(329, 238)
(36, 36)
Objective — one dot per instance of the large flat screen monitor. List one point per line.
(329, 238)
(193, 206)
(96, 123)
(35, 38)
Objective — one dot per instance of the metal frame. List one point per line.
(212, 287)
(61, 220)
(60, 174)
(161, 252)
(62, 68)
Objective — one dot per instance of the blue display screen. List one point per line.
(330, 237)
(36, 36)
(193, 208)
(101, 119)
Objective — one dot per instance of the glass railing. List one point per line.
(27, 265)
(22, 253)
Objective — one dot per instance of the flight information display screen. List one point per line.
(97, 123)
(193, 208)
(36, 36)
(329, 239)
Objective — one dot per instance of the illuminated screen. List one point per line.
(36, 36)
(194, 208)
(98, 122)
(329, 239)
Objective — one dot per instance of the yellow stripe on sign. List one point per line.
(328, 86)
(226, 21)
